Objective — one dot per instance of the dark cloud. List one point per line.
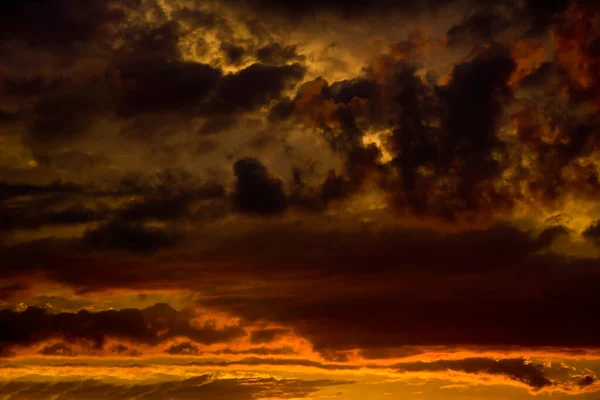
(472, 105)
(30, 85)
(281, 110)
(58, 349)
(345, 91)
(151, 325)
(60, 117)
(128, 236)
(233, 54)
(217, 125)
(534, 374)
(443, 137)
(492, 20)
(7, 117)
(28, 206)
(207, 146)
(467, 252)
(449, 157)
(172, 203)
(544, 14)
(265, 335)
(449, 290)
(253, 86)
(30, 218)
(275, 361)
(10, 190)
(207, 387)
(517, 369)
(298, 10)
(392, 352)
(586, 381)
(72, 160)
(494, 287)
(542, 76)
(260, 351)
(256, 191)
(592, 232)
(61, 23)
(150, 42)
(481, 26)
(185, 348)
(156, 86)
(195, 17)
(161, 87)
(8, 291)
(277, 54)
(119, 348)
(168, 195)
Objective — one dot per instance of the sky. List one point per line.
(259, 199)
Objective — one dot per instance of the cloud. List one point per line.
(255, 361)
(260, 351)
(298, 10)
(172, 201)
(253, 86)
(408, 183)
(10, 190)
(203, 386)
(217, 124)
(58, 349)
(265, 335)
(256, 190)
(432, 283)
(449, 130)
(135, 237)
(490, 21)
(65, 22)
(61, 116)
(448, 158)
(160, 86)
(8, 291)
(449, 289)
(516, 369)
(535, 375)
(185, 348)
(30, 218)
(151, 325)
(276, 54)
(592, 232)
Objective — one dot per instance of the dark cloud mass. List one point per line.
(256, 191)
